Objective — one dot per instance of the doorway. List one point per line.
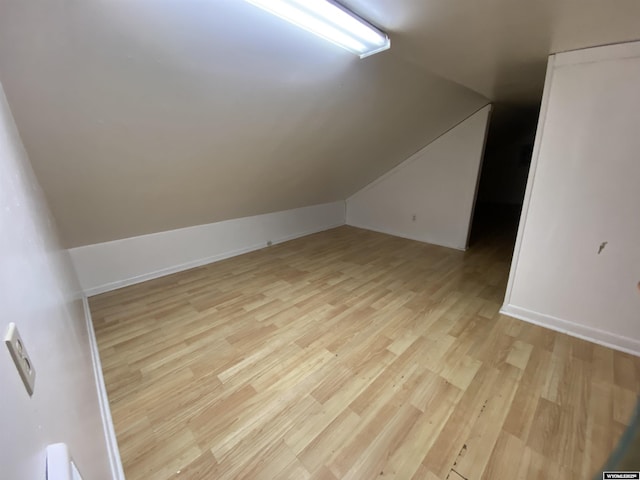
(504, 173)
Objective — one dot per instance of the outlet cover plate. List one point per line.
(21, 358)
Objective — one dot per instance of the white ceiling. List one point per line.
(147, 115)
(499, 48)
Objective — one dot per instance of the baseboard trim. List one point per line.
(407, 236)
(115, 462)
(107, 287)
(591, 334)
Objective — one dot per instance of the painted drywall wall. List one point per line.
(106, 266)
(577, 257)
(40, 294)
(437, 185)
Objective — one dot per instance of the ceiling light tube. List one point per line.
(331, 21)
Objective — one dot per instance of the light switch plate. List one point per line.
(20, 357)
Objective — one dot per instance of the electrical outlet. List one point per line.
(18, 352)
(413, 218)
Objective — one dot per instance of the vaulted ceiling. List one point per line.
(147, 115)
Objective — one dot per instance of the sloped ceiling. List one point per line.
(142, 116)
(147, 115)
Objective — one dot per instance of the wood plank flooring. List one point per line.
(351, 354)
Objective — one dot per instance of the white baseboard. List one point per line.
(107, 422)
(107, 287)
(584, 332)
(403, 235)
(107, 266)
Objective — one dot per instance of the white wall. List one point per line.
(584, 190)
(106, 266)
(437, 184)
(39, 292)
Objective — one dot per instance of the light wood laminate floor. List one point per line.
(351, 354)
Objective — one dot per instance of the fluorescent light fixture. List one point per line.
(331, 21)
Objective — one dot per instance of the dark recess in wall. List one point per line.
(505, 168)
